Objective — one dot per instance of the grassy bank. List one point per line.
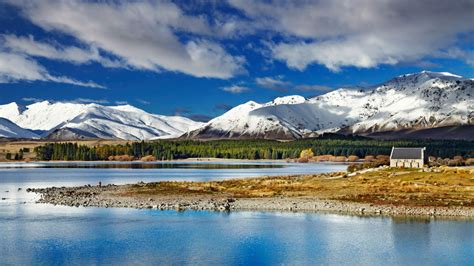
(446, 192)
(382, 186)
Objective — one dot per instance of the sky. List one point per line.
(200, 58)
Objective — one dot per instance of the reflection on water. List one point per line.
(155, 166)
(44, 234)
(145, 165)
(41, 234)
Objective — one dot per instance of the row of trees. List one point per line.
(250, 149)
(17, 156)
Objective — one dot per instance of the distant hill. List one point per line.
(8, 129)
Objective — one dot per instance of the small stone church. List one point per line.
(408, 157)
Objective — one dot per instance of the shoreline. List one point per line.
(115, 196)
(210, 159)
(156, 161)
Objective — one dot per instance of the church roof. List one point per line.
(407, 153)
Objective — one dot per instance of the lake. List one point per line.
(44, 234)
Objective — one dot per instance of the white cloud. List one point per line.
(361, 33)
(273, 83)
(145, 102)
(78, 100)
(235, 89)
(32, 99)
(15, 67)
(314, 88)
(30, 46)
(457, 53)
(184, 37)
(71, 81)
(144, 35)
(86, 100)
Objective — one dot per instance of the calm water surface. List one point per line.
(50, 235)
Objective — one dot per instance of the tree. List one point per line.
(251, 149)
(8, 156)
(307, 154)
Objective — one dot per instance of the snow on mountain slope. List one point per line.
(420, 100)
(293, 99)
(42, 115)
(423, 100)
(8, 129)
(72, 121)
(125, 123)
(236, 123)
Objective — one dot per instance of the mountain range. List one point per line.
(69, 121)
(420, 101)
(419, 105)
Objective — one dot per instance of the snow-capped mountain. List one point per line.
(8, 129)
(76, 121)
(425, 101)
(414, 101)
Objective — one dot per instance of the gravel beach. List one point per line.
(116, 196)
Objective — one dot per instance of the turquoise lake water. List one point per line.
(39, 234)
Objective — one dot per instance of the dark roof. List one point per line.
(407, 153)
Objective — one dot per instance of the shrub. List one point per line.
(369, 158)
(148, 158)
(303, 160)
(455, 162)
(340, 159)
(354, 167)
(121, 158)
(322, 158)
(352, 158)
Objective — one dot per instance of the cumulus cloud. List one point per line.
(273, 83)
(29, 46)
(235, 89)
(16, 67)
(195, 38)
(143, 34)
(361, 33)
(457, 53)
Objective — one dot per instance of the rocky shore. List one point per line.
(116, 196)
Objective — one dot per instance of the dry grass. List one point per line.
(388, 186)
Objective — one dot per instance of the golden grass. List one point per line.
(388, 186)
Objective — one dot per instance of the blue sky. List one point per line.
(200, 58)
